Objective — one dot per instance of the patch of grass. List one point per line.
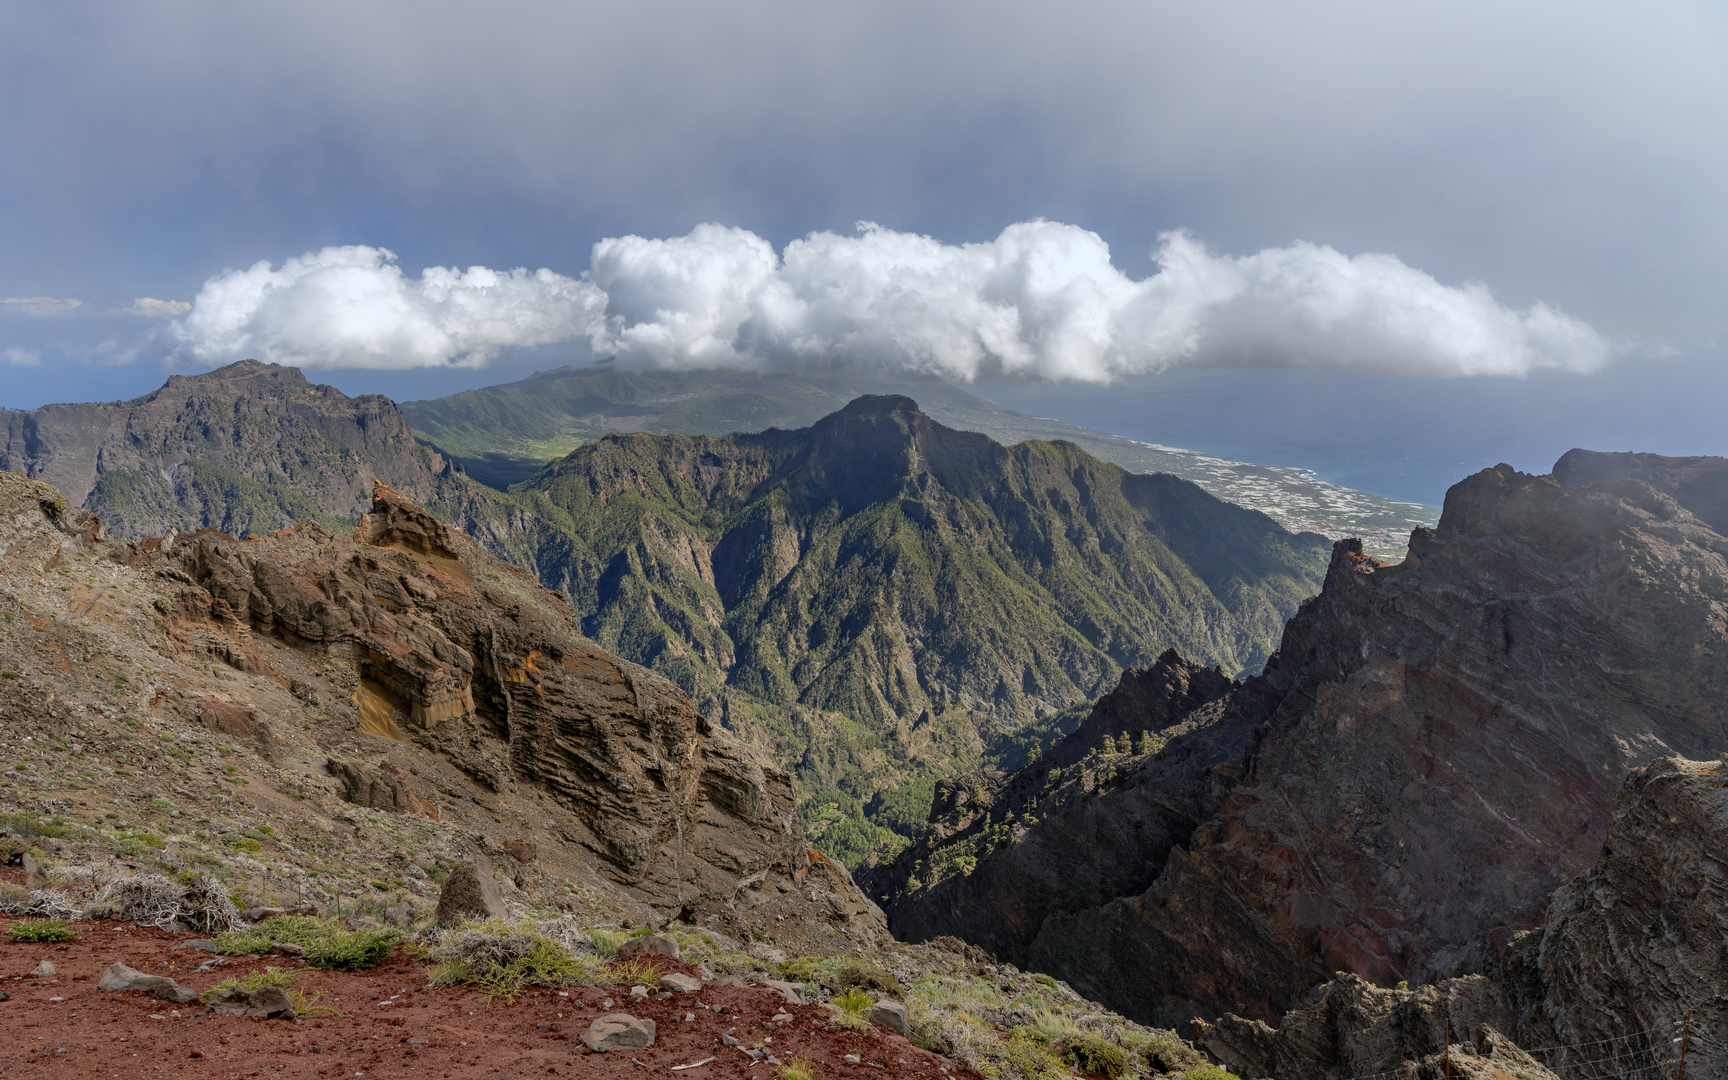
(606, 942)
(1045, 980)
(1209, 1072)
(256, 980)
(246, 843)
(32, 931)
(850, 1009)
(796, 1069)
(637, 969)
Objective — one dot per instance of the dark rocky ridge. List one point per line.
(247, 448)
(1630, 948)
(1435, 748)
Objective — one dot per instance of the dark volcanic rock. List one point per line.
(1700, 484)
(1109, 821)
(250, 447)
(1632, 947)
(1434, 749)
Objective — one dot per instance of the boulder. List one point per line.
(618, 1031)
(651, 945)
(118, 976)
(891, 1015)
(684, 984)
(470, 892)
(270, 1002)
(523, 851)
(44, 970)
(791, 991)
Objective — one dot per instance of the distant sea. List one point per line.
(1404, 438)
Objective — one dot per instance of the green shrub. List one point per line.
(606, 942)
(1030, 1058)
(506, 964)
(328, 942)
(1045, 980)
(353, 952)
(31, 931)
(246, 843)
(1092, 1054)
(870, 977)
(850, 1009)
(1209, 1072)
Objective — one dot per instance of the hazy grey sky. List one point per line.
(1409, 187)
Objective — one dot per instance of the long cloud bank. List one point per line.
(1042, 300)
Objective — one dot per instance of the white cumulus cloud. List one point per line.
(345, 307)
(151, 308)
(1042, 300)
(42, 307)
(22, 357)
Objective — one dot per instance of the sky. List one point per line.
(1389, 242)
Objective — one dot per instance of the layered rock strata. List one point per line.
(406, 671)
(1433, 750)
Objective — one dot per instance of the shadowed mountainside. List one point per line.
(1435, 748)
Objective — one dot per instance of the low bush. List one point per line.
(870, 977)
(1092, 1054)
(30, 931)
(506, 962)
(328, 942)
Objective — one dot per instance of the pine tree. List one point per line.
(1140, 743)
(1109, 744)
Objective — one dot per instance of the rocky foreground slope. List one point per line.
(1434, 750)
(361, 713)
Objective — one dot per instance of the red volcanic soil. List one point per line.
(391, 1025)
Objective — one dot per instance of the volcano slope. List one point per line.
(1433, 750)
(877, 591)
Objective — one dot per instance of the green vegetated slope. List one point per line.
(503, 434)
(882, 600)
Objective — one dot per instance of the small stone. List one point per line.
(606, 1004)
(269, 1002)
(120, 977)
(892, 1015)
(684, 984)
(44, 970)
(729, 1040)
(651, 945)
(259, 914)
(853, 1059)
(287, 948)
(689, 1017)
(618, 1031)
(639, 992)
(782, 1017)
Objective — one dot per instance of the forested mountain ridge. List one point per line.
(910, 593)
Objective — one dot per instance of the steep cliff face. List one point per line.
(1629, 963)
(1434, 749)
(405, 670)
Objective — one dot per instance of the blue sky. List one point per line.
(1425, 207)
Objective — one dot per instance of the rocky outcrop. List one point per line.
(247, 448)
(1700, 484)
(1076, 829)
(464, 654)
(405, 672)
(1434, 749)
(1631, 954)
